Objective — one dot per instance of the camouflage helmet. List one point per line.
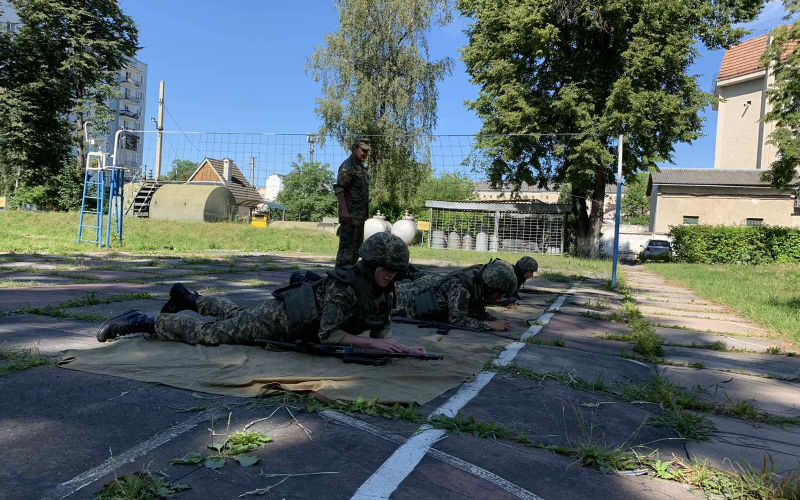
(385, 250)
(499, 275)
(528, 264)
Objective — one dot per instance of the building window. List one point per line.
(755, 222)
(691, 219)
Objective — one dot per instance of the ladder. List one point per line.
(103, 186)
(141, 204)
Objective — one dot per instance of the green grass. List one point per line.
(765, 294)
(20, 359)
(29, 232)
(55, 233)
(20, 284)
(139, 486)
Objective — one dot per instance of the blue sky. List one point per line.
(240, 67)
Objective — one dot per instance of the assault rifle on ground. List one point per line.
(360, 355)
(444, 328)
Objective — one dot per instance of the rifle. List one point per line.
(444, 328)
(360, 355)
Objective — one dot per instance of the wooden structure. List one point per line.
(225, 173)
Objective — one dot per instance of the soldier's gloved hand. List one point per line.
(388, 345)
(500, 325)
(417, 349)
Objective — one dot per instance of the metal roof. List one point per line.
(276, 206)
(728, 177)
(495, 206)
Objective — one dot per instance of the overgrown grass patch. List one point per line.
(767, 294)
(139, 486)
(20, 359)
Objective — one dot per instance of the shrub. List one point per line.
(735, 244)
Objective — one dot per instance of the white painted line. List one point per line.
(465, 394)
(384, 481)
(67, 488)
(532, 332)
(637, 362)
(463, 465)
(397, 467)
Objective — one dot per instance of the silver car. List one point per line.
(656, 249)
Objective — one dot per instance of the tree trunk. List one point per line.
(80, 143)
(589, 225)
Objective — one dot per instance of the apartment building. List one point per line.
(129, 114)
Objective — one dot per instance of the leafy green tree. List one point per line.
(181, 170)
(783, 57)
(446, 187)
(593, 70)
(378, 80)
(635, 202)
(308, 192)
(65, 56)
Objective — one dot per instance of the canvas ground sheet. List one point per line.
(249, 371)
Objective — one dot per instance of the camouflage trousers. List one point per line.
(234, 325)
(351, 235)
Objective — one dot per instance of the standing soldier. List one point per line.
(352, 191)
(335, 310)
(460, 297)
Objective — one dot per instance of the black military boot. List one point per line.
(180, 299)
(126, 324)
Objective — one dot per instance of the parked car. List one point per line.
(656, 250)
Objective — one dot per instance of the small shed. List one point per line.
(226, 173)
(517, 226)
(193, 202)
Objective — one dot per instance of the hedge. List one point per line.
(735, 244)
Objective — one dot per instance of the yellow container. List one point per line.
(259, 220)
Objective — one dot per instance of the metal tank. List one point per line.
(454, 241)
(482, 242)
(405, 229)
(437, 239)
(376, 224)
(467, 242)
(193, 202)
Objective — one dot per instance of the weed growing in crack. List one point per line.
(21, 359)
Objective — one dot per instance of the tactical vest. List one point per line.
(428, 303)
(301, 308)
(371, 316)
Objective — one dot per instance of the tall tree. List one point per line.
(782, 56)
(635, 202)
(89, 41)
(378, 80)
(592, 70)
(308, 191)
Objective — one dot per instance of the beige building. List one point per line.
(732, 193)
(741, 86)
(717, 197)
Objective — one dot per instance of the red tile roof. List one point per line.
(743, 58)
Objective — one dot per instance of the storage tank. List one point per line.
(437, 239)
(193, 202)
(376, 224)
(482, 242)
(454, 241)
(466, 242)
(405, 229)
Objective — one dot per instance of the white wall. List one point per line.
(632, 240)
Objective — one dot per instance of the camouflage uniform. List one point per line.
(234, 325)
(349, 301)
(353, 181)
(456, 301)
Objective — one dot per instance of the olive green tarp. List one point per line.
(245, 371)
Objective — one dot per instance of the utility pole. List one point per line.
(253, 171)
(160, 128)
(312, 141)
(617, 216)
